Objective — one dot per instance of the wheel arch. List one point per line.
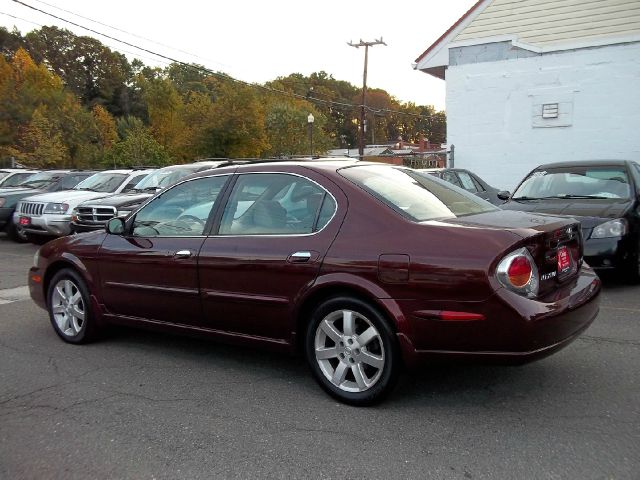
(70, 262)
(345, 285)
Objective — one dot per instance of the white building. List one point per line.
(538, 81)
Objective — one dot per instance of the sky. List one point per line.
(257, 41)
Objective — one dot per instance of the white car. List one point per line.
(49, 214)
(10, 177)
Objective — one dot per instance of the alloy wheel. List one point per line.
(349, 350)
(67, 307)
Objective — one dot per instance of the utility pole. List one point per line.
(363, 124)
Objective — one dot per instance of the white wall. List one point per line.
(492, 108)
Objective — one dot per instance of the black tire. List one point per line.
(353, 351)
(16, 234)
(78, 332)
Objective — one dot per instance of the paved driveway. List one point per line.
(146, 405)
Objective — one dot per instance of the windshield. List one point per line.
(3, 174)
(165, 176)
(575, 182)
(16, 179)
(417, 196)
(104, 182)
(41, 179)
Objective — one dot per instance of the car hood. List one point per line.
(121, 199)
(71, 197)
(588, 212)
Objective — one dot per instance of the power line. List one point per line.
(21, 19)
(221, 75)
(130, 33)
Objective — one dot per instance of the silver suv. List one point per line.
(50, 213)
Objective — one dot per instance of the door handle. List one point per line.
(182, 254)
(300, 257)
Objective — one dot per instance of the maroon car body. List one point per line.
(433, 282)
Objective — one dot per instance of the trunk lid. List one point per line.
(555, 243)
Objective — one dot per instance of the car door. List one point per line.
(151, 271)
(273, 233)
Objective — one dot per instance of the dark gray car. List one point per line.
(470, 182)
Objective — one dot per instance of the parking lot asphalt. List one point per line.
(146, 405)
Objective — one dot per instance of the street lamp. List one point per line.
(310, 121)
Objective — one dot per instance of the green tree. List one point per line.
(88, 68)
(41, 143)
(138, 148)
(237, 123)
(288, 131)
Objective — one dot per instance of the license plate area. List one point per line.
(564, 260)
(24, 221)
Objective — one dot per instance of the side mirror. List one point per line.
(115, 226)
(504, 195)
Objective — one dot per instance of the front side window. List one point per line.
(181, 211)
(575, 182)
(415, 195)
(102, 182)
(276, 204)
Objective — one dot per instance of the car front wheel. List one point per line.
(352, 351)
(69, 308)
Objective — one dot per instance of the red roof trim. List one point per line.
(451, 28)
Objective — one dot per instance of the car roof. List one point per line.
(586, 163)
(321, 163)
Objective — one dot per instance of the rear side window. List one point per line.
(467, 182)
(276, 204)
(417, 196)
(451, 178)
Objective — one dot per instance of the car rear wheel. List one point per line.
(69, 308)
(352, 351)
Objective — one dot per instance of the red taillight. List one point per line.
(519, 271)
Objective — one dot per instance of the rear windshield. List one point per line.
(415, 195)
(575, 182)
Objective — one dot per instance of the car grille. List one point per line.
(33, 209)
(95, 214)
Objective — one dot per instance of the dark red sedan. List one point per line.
(364, 267)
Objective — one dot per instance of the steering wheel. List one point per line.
(193, 218)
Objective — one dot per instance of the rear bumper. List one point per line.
(511, 328)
